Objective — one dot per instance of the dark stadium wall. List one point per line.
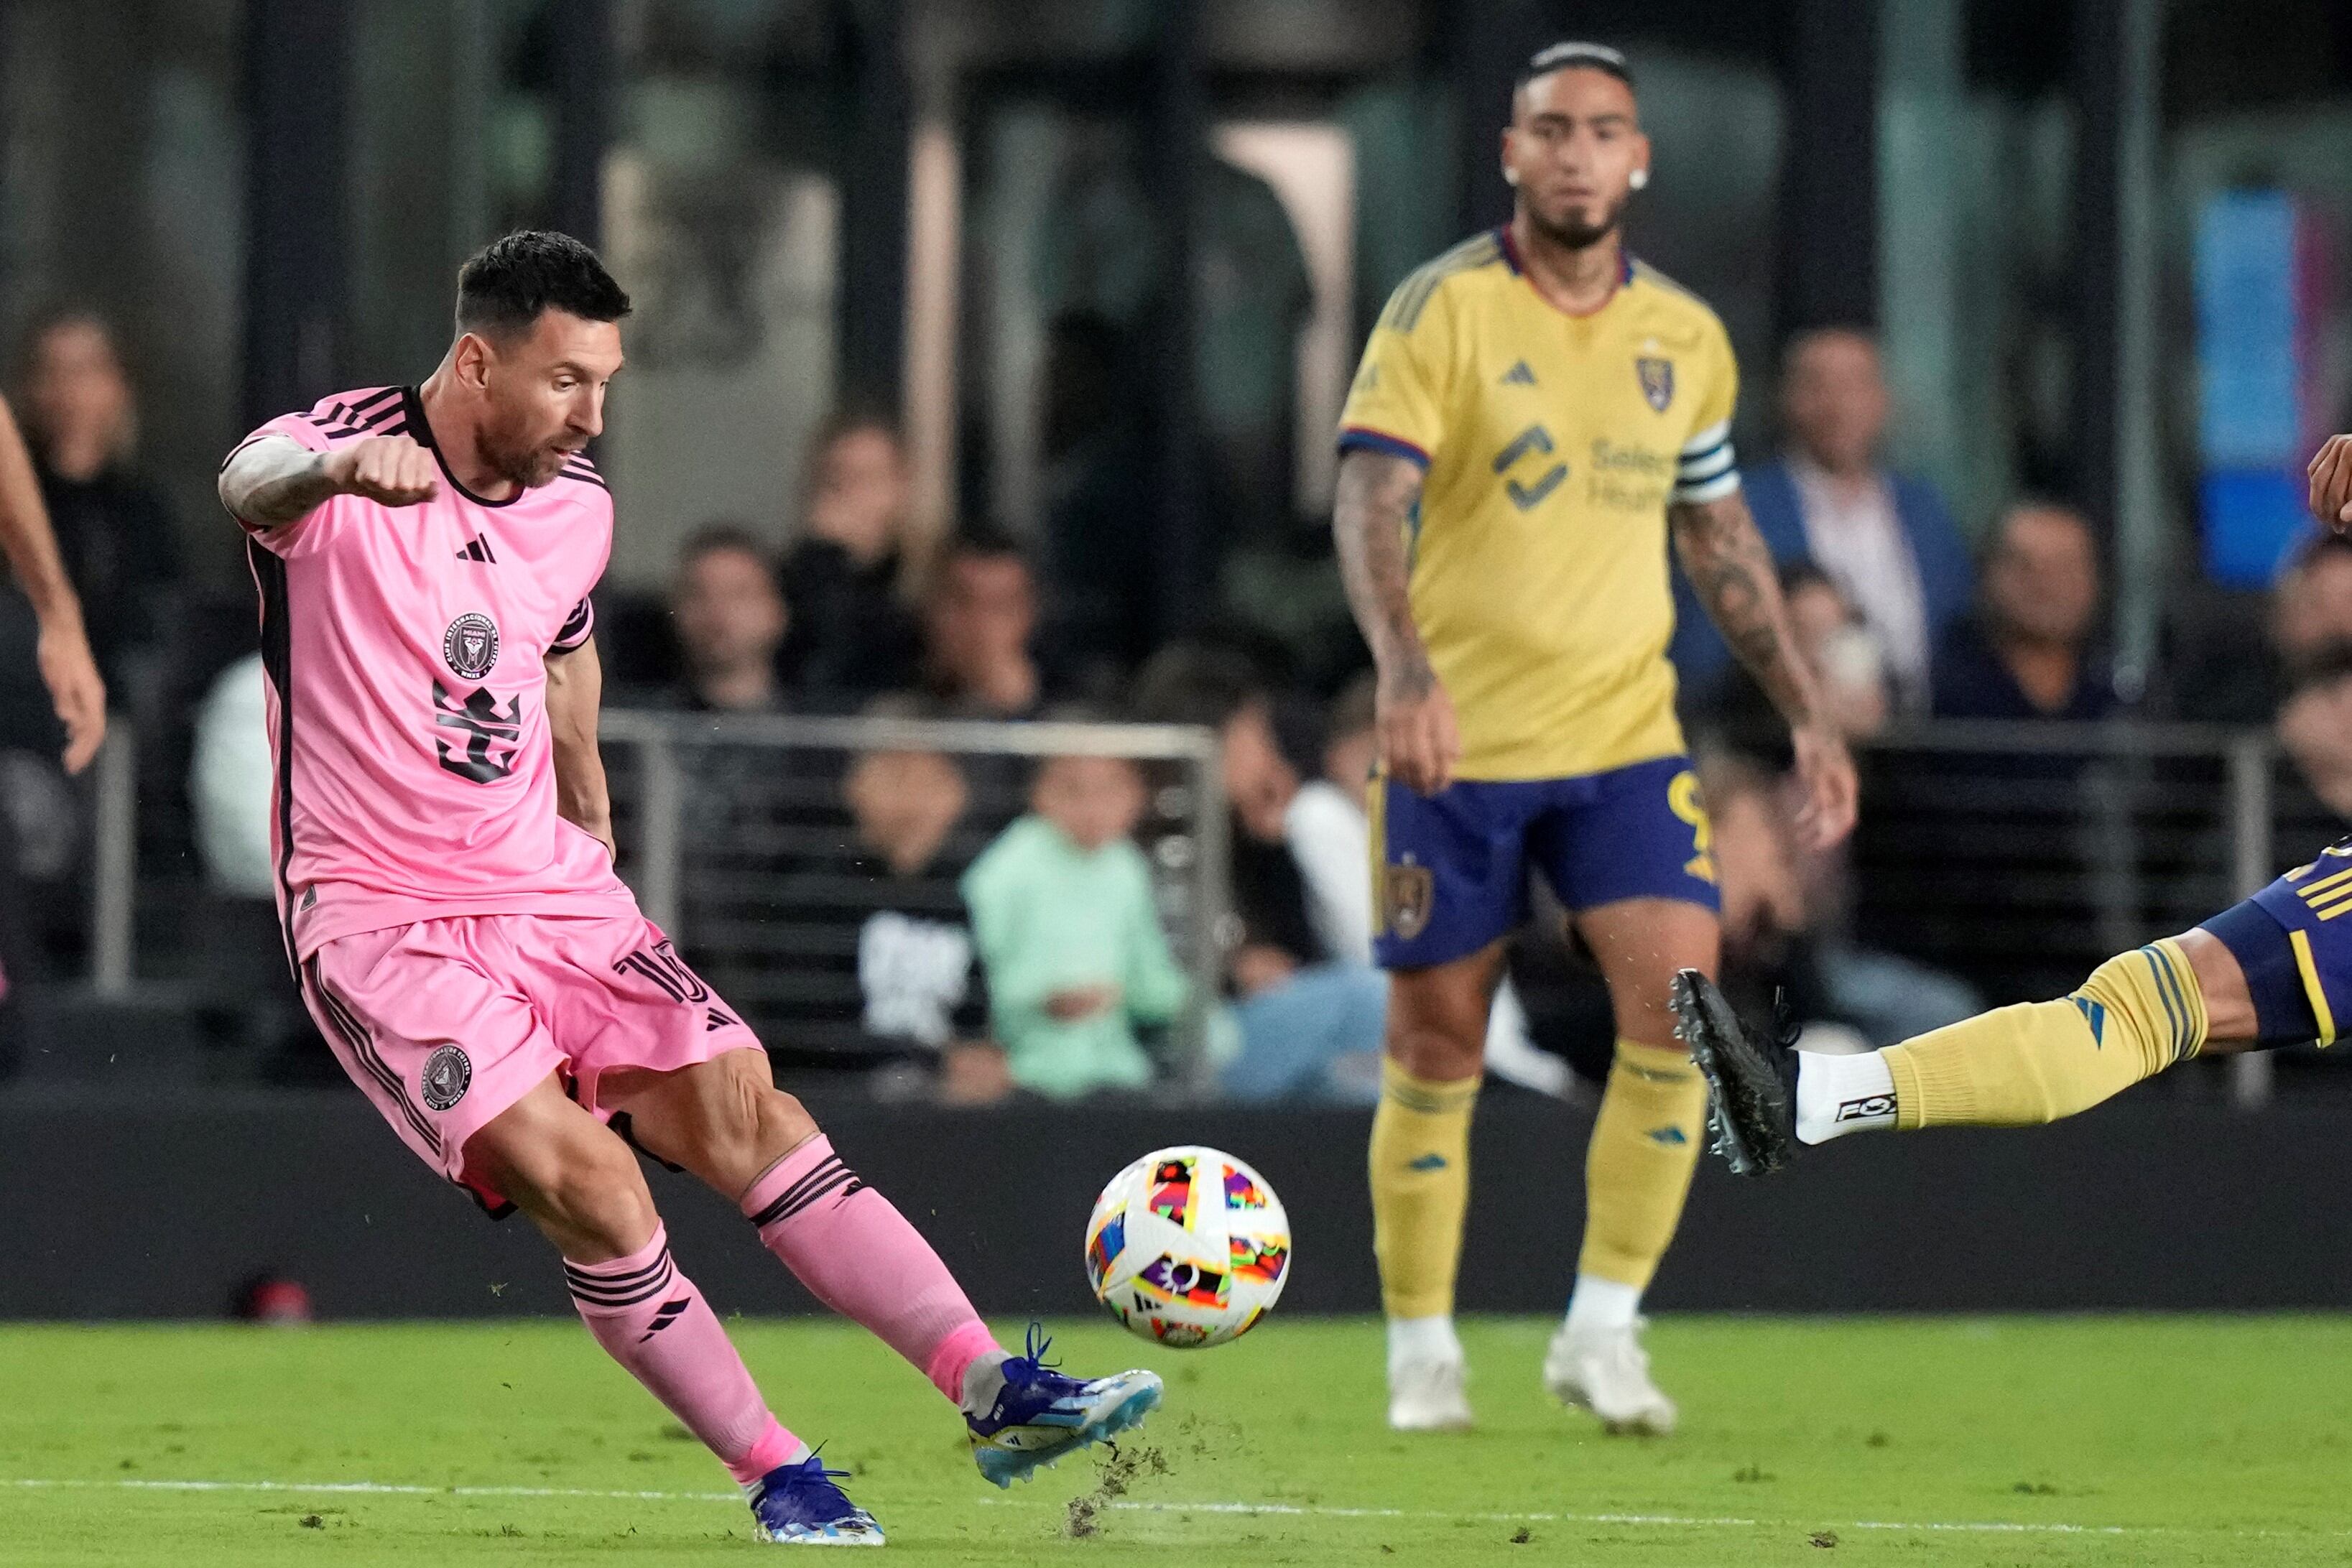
(160, 1206)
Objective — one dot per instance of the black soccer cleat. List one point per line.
(1751, 1079)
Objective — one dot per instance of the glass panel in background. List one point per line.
(1976, 161)
(123, 193)
(2258, 150)
(2254, 227)
(720, 215)
(140, 103)
(428, 82)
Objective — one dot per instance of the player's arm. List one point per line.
(63, 651)
(576, 685)
(273, 480)
(2331, 483)
(1732, 571)
(1377, 491)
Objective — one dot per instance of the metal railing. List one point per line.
(676, 836)
(2017, 855)
(2020, 854)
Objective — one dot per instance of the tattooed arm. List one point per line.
(1419, 742)
(1733, 574)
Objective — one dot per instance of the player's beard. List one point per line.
(1570, 232)
(529, 466)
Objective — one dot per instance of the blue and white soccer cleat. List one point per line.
(1041, 1415)
(799, 1505)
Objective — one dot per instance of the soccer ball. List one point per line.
(1188, 1247)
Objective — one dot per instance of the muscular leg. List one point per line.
(2137, 1014)
(723, 1120)
(726, 1121)
(1420, 1155)
(581, 1185)
(1645, 1140)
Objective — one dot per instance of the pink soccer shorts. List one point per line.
(446, 1023)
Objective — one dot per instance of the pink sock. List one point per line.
(651, 1319)
(858, 1254)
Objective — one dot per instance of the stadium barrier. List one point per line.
(2020, 856)
(2016, 854)
(159, 1205)
(735, 835)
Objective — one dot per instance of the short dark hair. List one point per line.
(507, 284)
(1194, 683)
(2324, 666)
(983, 541)
(2323, 546)
(732, 538)
(1572, 55)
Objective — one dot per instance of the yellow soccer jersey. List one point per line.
(1551, 445)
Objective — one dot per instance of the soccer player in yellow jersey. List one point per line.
(1536, 414)
(2273, 970)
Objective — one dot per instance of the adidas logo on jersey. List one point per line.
(479, 549)
(1518, 375)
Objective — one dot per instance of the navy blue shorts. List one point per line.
(1450, 870)
(2295, 948)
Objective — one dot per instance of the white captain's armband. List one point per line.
(1706, 471)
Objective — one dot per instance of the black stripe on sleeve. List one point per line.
(278, 664)
(576, 627)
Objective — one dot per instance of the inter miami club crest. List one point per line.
(447, 1075)
(1657, 381)
(1407, 893)
(471, 644)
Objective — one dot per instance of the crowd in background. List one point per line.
(973, 927)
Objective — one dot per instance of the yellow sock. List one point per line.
(1421, 1186)
(2021, 1066)
(1637, 1169)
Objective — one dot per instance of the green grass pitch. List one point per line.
(2141, 1440)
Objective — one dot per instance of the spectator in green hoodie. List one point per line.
(1063, 914)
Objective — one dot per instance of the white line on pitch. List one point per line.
(1309, 1511)
(387, 1489)
(1693, 1521)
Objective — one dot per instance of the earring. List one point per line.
(1640, 180)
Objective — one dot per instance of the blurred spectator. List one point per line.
(1847, 667)
(114, 529)
(1309, 1026)
(2027, 652)
(979, 619)
(2215, 672)
(2311, 611)
(1330, 836)
(2314, 726)
(1781, 935)
(230, 783)
(909, 985)
(1062, 909)
(731, 620)
(243, 996)
(1885, 540)
(851, 634)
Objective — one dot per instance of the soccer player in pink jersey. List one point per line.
(444, 849)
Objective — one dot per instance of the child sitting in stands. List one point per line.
(1062, 910)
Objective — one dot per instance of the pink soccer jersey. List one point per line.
(415, 779)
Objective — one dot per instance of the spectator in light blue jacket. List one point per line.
(1887, 541)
